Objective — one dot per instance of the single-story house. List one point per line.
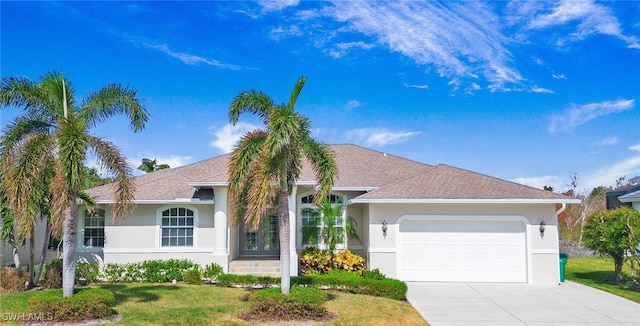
(633, 198)
(629, 196)
(416, 222)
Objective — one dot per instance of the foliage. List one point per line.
(301, 304)
(597, 272)
(614, 233)
(193, 276)
(374, 274)
(12, 279)
(149, 165)
(266, 163)
(326, 225)
(149, 271)
(317, 261)
(86, 304)
(572, 221)
(53, 274)
(87, 273)
(212, 270)
(93, 179)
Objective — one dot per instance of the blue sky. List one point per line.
(526, 91)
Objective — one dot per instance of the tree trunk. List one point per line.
(619, 261)
(285, 236)
(69, 238)
(43, 254)
(14, 248)
(32, 244)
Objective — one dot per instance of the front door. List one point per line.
(265, 241)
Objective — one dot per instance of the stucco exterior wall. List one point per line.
(6, 253)
(542, 251)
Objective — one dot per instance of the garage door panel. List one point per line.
(462, 250)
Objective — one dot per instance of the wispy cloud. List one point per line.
(537, 89)
(607, 141)
(340, 49)
(460, 39)
(229, 135)
(352, 104)
(416, 86)
(191, 59)
(279, 33)
(540, 182)
(379, 136)
(277, 5)
(577, 115)
(606, 176)
(590, 18)
(559, 76)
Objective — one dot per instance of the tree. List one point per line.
(614, 233)
(266, 163)
(573, 219)
(149, 165)
(94, 179)
(55, 130)
(328, 227)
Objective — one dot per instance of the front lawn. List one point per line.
(598, 272)
(166, 304)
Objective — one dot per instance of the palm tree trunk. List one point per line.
(14, 248)
(69, 238)
(32, 244)
(285, 236)
(43, 254)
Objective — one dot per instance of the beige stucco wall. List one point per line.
(542, 252)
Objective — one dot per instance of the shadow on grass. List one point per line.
(145, 293)
(607, 278)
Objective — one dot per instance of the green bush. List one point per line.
(301, 303)
(315, 261)
(87, 273)
(13, 279)
(193, 276)
(228, 280)
(374, 274)
(212, 270)
(150, 271)
(85, 304)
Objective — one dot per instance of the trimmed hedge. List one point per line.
(301, 303)
(85, 304)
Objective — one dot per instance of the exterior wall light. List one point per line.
(384, 228)
(542, 227)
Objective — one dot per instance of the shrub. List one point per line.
(373, 274)
(348, 261)
(193, 276)
(151, 271)
(353, 283)
(316, 261)
(212, 270)
(227, 280)
(52, 274)
(85, 304)
(13, 279)
(301, 303)
(87, 272)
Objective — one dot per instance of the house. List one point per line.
(416, 222)
(624, 197)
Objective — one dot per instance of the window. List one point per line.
(313, 225)
(94, 228)
(177, 227)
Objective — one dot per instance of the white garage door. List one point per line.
(462, 250)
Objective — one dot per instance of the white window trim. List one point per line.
(159, 227)
(80, 247)
(301, 206)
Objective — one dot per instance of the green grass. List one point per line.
(598, 272)
(166, 304)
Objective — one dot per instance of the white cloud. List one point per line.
(607, 141)
(591, 18)
(229, 135)
(341, 49)
(277, 5)
(416, 86)
(635, 148)
(379, 136)
(191, 59)
(560, 76)
(606, 176)
(537, 89)
(461, 39)
(280, 33)
(540, 182)
(577, 115)
(352, 104)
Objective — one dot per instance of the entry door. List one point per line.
(265, 241)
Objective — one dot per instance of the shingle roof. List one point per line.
(633, 196)
(390, 177)
(451, 183)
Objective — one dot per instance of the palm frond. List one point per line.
(22, 127)
(296, 92)
(322, 161)
(72, 151)
(251, 101)
(112, 100)
(115, 163)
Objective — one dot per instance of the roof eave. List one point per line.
(161, 201)
(464, 201)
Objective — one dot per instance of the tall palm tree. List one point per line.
(55, 131)
(266, 163)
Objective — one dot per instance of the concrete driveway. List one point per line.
(519, 304)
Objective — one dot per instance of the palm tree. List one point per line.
(149, 165)
(265, 164)
(327, 226)
(55, 132)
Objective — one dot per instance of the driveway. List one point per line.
(519, 304)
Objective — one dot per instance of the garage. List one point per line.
(462, 249)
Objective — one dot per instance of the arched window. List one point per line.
(177, 227)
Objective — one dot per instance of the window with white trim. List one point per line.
(311, 223)
(177, 227)
(93, 228)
